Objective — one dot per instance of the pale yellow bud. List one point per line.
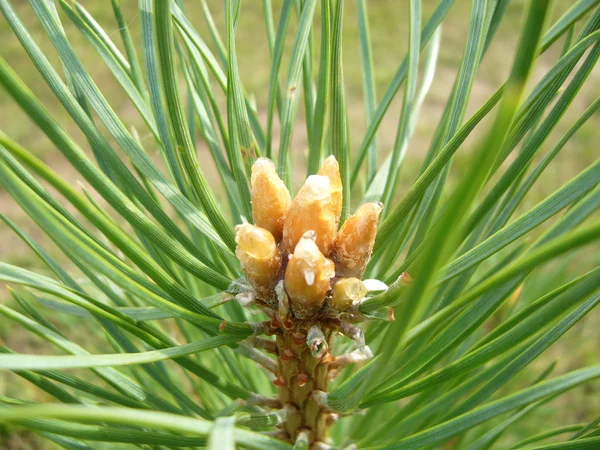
(259, 255)
(331, 170)
(307, 277)
(347, 291)
(311, 210)
(354, 242)
(270, 198)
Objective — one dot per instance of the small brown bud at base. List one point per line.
(347, 291)
(259, 255)
(287, 355)
(270, 198)
(279, 381)
(275, 323)
(302, 379)
(311, 209)
(353, 244)
(307, 277)
(299, 338)
(331, 170)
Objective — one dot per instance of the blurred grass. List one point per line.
(388, 20)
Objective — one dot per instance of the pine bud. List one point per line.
(311, 210)
(259, 255)
(270, 198)
(331, 170)
(354, 242)
(346, 292)
(307, 277)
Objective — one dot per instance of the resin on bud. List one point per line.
(270, 198)
(331, 170)
(259, 255)
(347, 292)
(307, 277)
(311, 209)
(354, 242)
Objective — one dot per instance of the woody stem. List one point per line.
(299, 374)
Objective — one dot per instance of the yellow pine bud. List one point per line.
(259, 255)
(331, 170)
(307, 277)
(347, 291)
(354, 242)
(311, 210)
(270, 198)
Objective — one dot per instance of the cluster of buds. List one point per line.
(305, 272)
(298, 241)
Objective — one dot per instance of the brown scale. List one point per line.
(305, 276)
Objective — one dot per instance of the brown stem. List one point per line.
(299, 374)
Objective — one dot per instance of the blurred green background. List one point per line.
(388, 21)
